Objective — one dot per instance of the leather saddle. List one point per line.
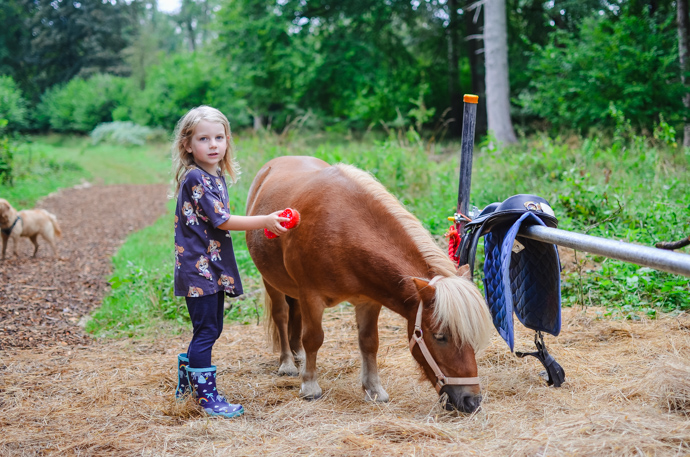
(498, 214)
(521, 276)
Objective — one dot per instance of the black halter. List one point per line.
(8, 230)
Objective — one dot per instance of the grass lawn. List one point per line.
(635, 190)
(45, 164)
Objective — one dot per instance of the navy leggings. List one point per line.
(207, 321)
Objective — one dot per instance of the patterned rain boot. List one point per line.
(203, 381)
(182, 380)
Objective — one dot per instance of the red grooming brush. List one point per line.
(290, 213)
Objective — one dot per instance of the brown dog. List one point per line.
(29, 223)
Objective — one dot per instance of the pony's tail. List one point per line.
(269, 324)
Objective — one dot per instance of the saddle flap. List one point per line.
(521, 277)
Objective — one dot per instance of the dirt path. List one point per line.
(43, 298)
(627, 389)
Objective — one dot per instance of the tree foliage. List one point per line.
(59, 40)
(354, 64)
(629, 63)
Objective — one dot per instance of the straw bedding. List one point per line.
(627, 393)
(627, 389)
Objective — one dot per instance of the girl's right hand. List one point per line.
(273, 221)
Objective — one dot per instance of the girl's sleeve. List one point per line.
(207, 198)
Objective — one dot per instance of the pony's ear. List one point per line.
(464, 272)
(425, 290)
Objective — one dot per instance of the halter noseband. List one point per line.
(418, 338)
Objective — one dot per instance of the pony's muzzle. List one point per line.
(460, 398)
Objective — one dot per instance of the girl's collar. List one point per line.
(218, 171)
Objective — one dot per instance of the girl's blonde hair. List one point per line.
(183, 160)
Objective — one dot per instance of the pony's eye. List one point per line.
(440, 337)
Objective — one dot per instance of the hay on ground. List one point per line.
(627, 393)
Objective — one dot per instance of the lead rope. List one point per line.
(454, 237)
(418, 338)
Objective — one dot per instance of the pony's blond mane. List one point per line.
(459, 306)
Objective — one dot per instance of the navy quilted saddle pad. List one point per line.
(521, 276)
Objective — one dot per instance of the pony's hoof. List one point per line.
(310, 397)
(310, 392)
(380, 396)
(288, 370)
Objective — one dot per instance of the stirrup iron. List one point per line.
(555, 375)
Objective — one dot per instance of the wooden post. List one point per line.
(469, 120)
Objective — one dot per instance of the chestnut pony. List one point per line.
(356, 243)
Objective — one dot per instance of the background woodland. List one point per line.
(582, 66)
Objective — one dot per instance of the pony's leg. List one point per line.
(367, 325)
(295, 329)
(280, 315)
(312, 339)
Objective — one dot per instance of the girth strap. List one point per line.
(418, 338)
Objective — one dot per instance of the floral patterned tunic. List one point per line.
(204, 257)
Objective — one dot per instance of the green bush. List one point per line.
(125, 133)
(82, 104)
(614, 65)
(6, 156)
(12, 105)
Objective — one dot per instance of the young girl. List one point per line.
(205, 267)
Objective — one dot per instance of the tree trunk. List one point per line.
(683, 26)
(192, 37)
(496, 63)
(186, 18)
(258, 122)
(453, 63)
(205, 13)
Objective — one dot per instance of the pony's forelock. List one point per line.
(460, 308)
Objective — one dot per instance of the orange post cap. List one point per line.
(469, 98)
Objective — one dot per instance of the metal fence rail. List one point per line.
(659, 259)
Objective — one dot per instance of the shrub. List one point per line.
(82, 104)
(126, 133)
(6, 155)
(12, 105)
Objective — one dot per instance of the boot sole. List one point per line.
(226, 415)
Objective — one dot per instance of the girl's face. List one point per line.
(208, 145)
